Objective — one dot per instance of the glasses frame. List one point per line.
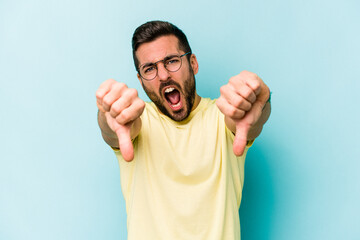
(163, 61)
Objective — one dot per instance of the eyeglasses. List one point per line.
(149, 71)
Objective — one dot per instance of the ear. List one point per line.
(194, 64)
(141, 82)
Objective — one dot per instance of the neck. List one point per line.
(196, 102)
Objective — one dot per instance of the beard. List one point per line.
(188, 92)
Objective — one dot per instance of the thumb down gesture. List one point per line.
(120, 109)
(243, 101)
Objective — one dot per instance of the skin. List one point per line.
(242, 100)
(184, 77)
(119, 114)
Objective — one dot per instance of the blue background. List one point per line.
(59, 180)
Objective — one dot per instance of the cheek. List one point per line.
(181, 76)
(149, 84)
(153, 87)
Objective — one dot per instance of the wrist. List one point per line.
(104, 126)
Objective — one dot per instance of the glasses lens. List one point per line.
(173, 64)
(148, 72)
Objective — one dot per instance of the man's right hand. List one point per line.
(120, 109)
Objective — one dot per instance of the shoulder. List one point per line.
(207, 104)
(208, 111)
(150, 109)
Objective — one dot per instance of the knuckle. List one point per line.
(113, 115)
(120, 119)
(119, 86)
(141, 104)
(133, 92)
(249, 75)
(245, 72)
(246, 107)
(114, 111)
(232, 112)
(107, 84)
(223, 89)
(254, 75)
(233, 80)
(107, 101)
(256, 82)
(217, 102)
(125, 116)
(221, 103)
(238, 102)
(100, 107)
(122, 85)
(99, 94)
(247, 92)
(241, 114)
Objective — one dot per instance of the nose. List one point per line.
(163, 74)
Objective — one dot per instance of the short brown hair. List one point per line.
(152, 30)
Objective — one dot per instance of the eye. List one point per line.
(149, 69)
(173, 60)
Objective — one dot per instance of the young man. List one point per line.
(184, 155)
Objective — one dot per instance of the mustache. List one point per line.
(168, 83)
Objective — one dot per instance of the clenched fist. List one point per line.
(120, 109)
(242, 101)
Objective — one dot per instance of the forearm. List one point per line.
(108, 135)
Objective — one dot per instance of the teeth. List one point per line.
(176, 105)
(170, 89)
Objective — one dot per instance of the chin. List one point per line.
(179, 115)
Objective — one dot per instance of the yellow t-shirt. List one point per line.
(184, 182)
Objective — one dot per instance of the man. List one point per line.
(184, 155)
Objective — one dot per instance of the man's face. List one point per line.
(172, 92)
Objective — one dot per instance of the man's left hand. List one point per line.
(242, 101)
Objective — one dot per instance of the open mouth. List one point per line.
(172, 96)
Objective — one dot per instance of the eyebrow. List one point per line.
(153, 63)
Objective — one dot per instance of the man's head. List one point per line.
(150, 31)
(156, 47)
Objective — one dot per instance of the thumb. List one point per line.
(125, 144)
(240, 140)
(243, 127)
